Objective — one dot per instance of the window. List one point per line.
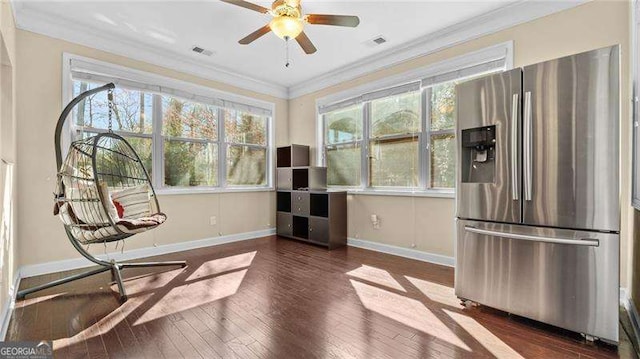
(343, 146)
(395, 124)
(399, 138)
(246, 139)
(185, 141)
(131, 117)
(190, 143)
(442, 159)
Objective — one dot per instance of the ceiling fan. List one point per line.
(288, 22)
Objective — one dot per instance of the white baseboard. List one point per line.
(69, 264)
(7, 309)
(624, 296)
(402, 252)
(632, 311)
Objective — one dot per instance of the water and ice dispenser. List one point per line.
(478, 154)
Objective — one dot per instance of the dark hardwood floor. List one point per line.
(275, 298)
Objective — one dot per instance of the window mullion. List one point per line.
(222, 150)
(269, 152)
(425, 145)
(157, 143)
(364, 169)
(323, 134)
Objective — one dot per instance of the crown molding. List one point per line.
(510, 15)
(41, 23)
(491, 22)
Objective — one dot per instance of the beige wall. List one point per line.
(423, 223)
(8, 193)
(428, 222)
(39, 103)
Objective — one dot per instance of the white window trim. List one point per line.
(499, 51)
(138, 76)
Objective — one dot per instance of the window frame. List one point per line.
(355, 143)
(225, 145)
(502, 51)
(367, 155)
(155, 82)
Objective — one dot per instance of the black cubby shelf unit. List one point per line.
(306, 210)
(318, 217)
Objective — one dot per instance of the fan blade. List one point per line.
(306, 44)
(255, 35)
(335, 20)
(247, 5)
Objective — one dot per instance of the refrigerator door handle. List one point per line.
(514, 147)
(528, 177)
(578, 242)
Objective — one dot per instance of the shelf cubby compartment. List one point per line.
(284, 201)
(292, 156)
(309, 178)
(301, 227)
(300, 178)
(319, 205)
(284, 224)
(319, 230)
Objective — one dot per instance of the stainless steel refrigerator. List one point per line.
(538, 214)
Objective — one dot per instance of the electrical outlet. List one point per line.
(213, 220)
(375, 221)
(413, 245)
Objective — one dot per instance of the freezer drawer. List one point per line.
(561, 277)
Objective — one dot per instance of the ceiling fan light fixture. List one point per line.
(292, 3)
(286, 26)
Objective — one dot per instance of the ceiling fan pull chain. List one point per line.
(286, 46)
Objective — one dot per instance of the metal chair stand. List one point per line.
(104, 266)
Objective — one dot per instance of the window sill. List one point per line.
(181, 191)
(421, 193)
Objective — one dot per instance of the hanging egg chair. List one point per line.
(103, 194)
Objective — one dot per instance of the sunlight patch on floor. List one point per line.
(377, 276)
(406, 311)
(436, 292)
(148, 282)
(104, 324)
(35, 300)
(488, 340)
(194, 294)
(222, 265)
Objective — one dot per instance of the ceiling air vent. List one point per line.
(376, 41)
(202, 51)
(379, 40)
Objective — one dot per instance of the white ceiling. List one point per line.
(178, 25)
(164, 31)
